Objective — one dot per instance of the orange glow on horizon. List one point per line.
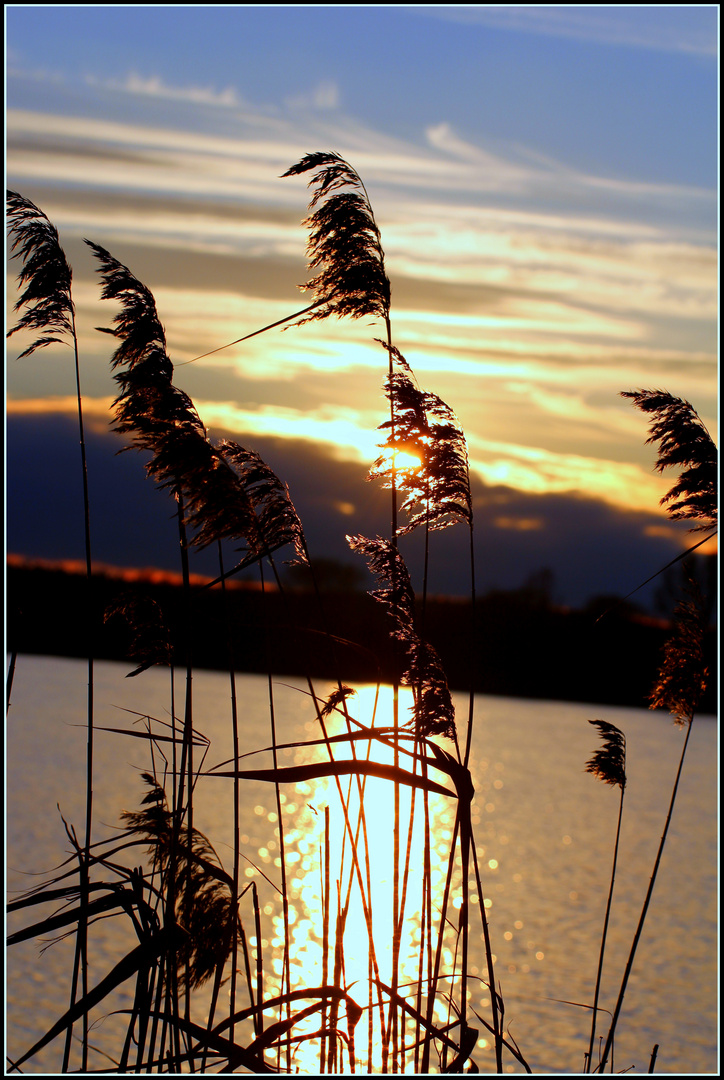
(151, 575)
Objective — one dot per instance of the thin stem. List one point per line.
(495, 1008)
(84, 860)
(11, 675)
(603, 936)
(629, 964)
(246, 337)
(286, 968)
(237, 830)
(395, 721)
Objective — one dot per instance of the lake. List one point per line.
(544, 832)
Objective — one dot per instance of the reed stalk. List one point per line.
(236, 793)
(49, 310)
(609, 765)
(681, 683)
(608, 1047)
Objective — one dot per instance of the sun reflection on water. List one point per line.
(344, 875)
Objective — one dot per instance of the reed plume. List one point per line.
(683, 441)
(228, 492)
(433, 710)
(683, 674)
(609, 761)
(424, 427)
(150, 642)
(203, 890)
(344, 242)
(276, 521)
(158, 416)
(46, 276)
(681, 682)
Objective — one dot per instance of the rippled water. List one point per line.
(544, 831)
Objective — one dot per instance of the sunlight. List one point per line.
(343, 893)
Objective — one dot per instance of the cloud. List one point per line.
(494, 173)
(492, 289)
(591, 547)
(325, 96)
(154, 86)
(683, 29)
(528, 172)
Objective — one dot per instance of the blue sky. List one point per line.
(545, 180)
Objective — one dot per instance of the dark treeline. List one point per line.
(521, 644)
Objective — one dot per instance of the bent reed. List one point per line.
(198, 927)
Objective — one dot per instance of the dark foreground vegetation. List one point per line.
(608, 653)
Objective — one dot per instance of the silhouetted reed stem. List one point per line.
(494, 1007)
(285, 982)
(394, 979)
(589, 1057)
(639, 929)
(9, 681)
(237, 831)
(82, 933)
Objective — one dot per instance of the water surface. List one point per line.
(544, 831)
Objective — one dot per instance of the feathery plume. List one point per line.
(433, 710)
(158, 416)
(424, 427)
(683, 674)
(243, 498)
(229, 492)
(683, 441)
(337, 698)
(203, 890)
(150, 643)
(344, 242)
(46, 275)
(609, 761)
(395, 589)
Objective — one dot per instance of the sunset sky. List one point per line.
(545, 183)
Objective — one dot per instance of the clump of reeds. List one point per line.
(685, 443)
(201, 888)
(186, 913)
(186, 909)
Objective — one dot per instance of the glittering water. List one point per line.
(544, 831)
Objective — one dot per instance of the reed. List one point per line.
(198, 929)
(685, 443)
(49, 311)
(609, 765)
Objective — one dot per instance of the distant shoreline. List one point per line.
(520, 646)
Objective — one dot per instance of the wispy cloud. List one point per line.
(538, 471)
(154, 86)
(526, 316)
(324, 96)
(669, 28)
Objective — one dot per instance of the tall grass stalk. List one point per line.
(49, 311)
(609, 765)
(685, 443)
(682, 681)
